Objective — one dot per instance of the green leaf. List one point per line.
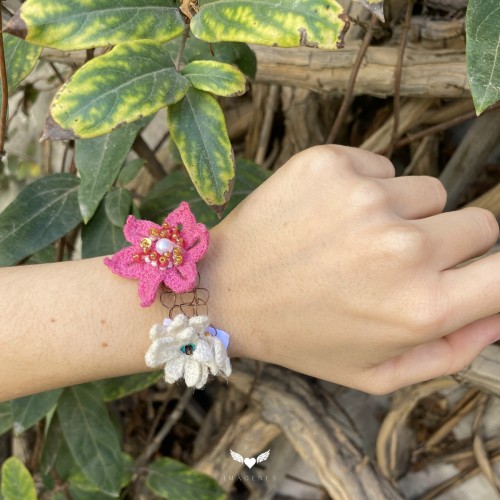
(5, 417)
(236, 53)
(78, 493)
(130, 170)
(282, 23)
(119, 387)
(78, 479)
(99, 160)
(20, 59)
(483, 52)
(91, 437)
(43, 212)
(73, 24)
(215, 77)
(170, 191)
(29, 410)
(198, 127)
(52, 445)
(44, 256)
(132, 81)
(17, 482)
(172, 479)
(58, 496)
(100, 236)
(64, 464)
(117, 204)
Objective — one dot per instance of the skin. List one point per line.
(333, 268)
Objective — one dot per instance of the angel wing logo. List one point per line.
(250, 462)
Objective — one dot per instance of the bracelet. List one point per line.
(165, 256)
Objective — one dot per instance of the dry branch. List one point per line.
(312, 423)
(470, 156)
(484, 372)
(429, 73)
(248, 434)
(489, 200)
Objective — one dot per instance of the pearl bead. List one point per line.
(164, 245)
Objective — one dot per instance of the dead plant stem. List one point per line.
(436, 128)
(398, 75)
(348, 97)
(166, 428)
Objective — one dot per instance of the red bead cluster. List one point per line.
(149, 253)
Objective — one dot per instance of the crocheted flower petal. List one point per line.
(227, 369)
(203, 377)
(204, 352)
(187, 335)
(194, 234)
(192, 372)
(179, 322)
(157, 332)
(221, 358)
(181, 279)
(161, 351)
(220, 353)
(122, 263)
(136, 229)
(148, 286)
(199, 323)
(174, 369)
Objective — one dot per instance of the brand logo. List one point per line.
(250, 461)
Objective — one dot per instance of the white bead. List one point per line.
(164, 246)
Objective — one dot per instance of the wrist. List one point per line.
(227, 308)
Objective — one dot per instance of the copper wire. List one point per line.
(189, 303)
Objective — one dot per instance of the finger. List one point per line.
(473, 291)
(415, 197)
(366, 163)
(440, 357)
(458, 236)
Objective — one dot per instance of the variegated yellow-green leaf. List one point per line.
(20, 58)
(132, 81)
(282, 23)
(77, 24)
(215, 77)
(17, 481)
(239, 54)
(198, 128)
(483, 52)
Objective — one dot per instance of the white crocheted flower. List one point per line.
(188, 351)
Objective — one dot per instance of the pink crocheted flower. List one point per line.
(166, 253)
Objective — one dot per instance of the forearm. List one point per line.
(69, 323)
(73, 322)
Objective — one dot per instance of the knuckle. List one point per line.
(438, 189)
(368, 194)
(319, 161)
(389, 169)
(427, 317)
(404, 243)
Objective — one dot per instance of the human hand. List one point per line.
(337, 269)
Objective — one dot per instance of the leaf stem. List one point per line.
(5, 93)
